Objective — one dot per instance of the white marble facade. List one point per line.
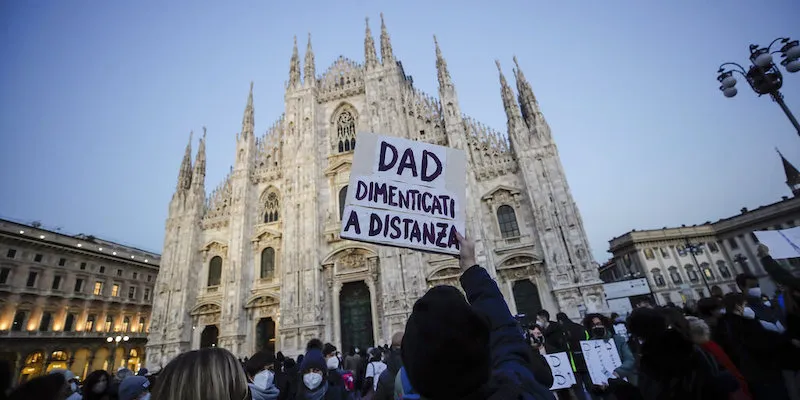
(271, 228)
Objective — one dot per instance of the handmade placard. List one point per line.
(563, 377)
(602, 358)
(405, 193)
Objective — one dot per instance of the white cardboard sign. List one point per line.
(562, 370)
(602, 358)
(405, 193)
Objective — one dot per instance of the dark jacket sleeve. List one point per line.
(385, 386)
(510, 354)
(541, 370)
(779, 274)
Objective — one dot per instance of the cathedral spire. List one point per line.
(248, 119)
(527, 101)
(370, 57)
(792, 174)
(512, 110)
(199, 175)
(185, 174)
(441, 67)
(308, 74)
(294, 67)
(386, 45)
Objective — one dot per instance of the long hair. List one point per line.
(92, 380)
(205, 374)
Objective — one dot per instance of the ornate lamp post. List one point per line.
(695, 249)
(742, 260)
(763, 75)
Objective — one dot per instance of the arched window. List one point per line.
(69, 322)
(345, 131)
(126, 324)
(658, 278)
(19, 320)
(507, 219)
(268, 263)
(342, 199)
(723, 269)
(271, 208)
(109, 322)
(674, 275)
(691, 273)
(141, 324)
(89, 323)
(44, 324)
(215, 271)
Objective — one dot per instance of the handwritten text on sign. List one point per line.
(602, 358)
(405, 193)
(561, 369)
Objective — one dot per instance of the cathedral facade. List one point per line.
(259, 265)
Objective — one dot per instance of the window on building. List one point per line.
(666, 298)
(146, 294)
(141, 324)
(62, 262)
(4, 273)
(675, 275)
(126, 324)
(135, 275)
(31, 279)
(149, 278)
(19, 321)
(132, 292)
(115, 290)
(664, 252)
(109, 322)
(649, 254)
(12, 253)
(724, 272)
(37, 258)
(732, 243)
(268, 263)
(507, 220)
(215, 271)
(44, 323)
(712, 247)
(98, 288)
(119, 272)
(90, 323)
(271, 208)
(342, 200)
(102, 269)
(69, 322)
(83, 265)
(658, 278)
(681, 249)
(707, 271)
(78, 285)
(345, 131)
(56, 282)
(691, 273)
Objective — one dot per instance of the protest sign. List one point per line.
(602, 358)
(782, 243)
(405, 193)
(561, 369)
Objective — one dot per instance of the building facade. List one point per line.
(723, 249)
(74, 302)
(259, 264)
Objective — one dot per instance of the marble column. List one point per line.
(337, 328)
(374, 310)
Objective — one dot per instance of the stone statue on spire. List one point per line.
(387, 56)
(309, 74)
(370, 56)
(185, 174)
(294, 67)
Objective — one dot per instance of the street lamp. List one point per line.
(118, 339)
(695, 249)
(763, 75)
(742, 260)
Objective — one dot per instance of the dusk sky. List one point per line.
(98, 98)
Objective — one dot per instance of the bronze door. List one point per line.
(356, 316)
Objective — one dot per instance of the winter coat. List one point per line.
(335, 391)
(385, 389)
(574, 333)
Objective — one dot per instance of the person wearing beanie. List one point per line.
(261, 376)
(134, 388)
(142, 372)
(454, 349)
(319, 382)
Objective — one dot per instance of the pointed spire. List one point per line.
(530, 107)
(370, 57)
(512, 110)
(199, 175)
(294, 67)
(792, 174)
(185, 174)
(308, 74)
(248, 119)
(441, 66)
(387, 56)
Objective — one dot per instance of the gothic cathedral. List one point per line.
(259, 265)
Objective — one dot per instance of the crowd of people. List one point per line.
(735, 346)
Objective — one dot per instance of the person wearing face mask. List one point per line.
(600, 328)
(261, 376)
(95, 387)
(134, 388)
(765, 315)
(318, 380)
(70, 391)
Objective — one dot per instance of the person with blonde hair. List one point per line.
(701, 335)
(205, 374)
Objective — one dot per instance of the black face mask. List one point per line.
(599, 331)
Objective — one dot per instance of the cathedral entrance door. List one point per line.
(265, 335)
(356, 315)
(209, 336)
(526, 297)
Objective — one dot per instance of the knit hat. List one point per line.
(132, 386)
(313, 359)
(445, 347)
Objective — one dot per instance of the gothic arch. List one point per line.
(344, 125)
(331, 257)
(269, 205)
(207, 307)
(444, 272)
(518, 259)
(269, 298)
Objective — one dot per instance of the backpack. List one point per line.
(408, 391)
(349, 380)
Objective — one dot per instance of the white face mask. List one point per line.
(768, 303)
(73, 386)
(755, 292)
(100, 387)
(749, 313)
(146, 396)
(312, 380)
(333, 363)
(263, 379)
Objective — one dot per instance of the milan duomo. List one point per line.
(259, 264)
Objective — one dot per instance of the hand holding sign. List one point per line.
(466, 257)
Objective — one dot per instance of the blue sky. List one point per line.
(98, 98)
